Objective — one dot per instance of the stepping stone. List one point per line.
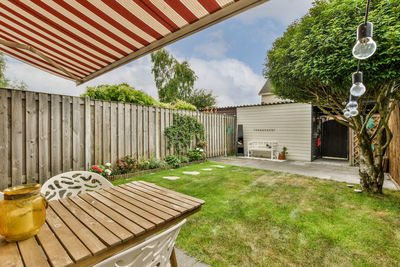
(191, 173)
(171, 177)
(218, 166)
(207, 169)
(350, 186)
(358, 190)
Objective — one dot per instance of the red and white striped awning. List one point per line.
(82, 39)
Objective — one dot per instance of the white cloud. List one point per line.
(231, 80)
(214, 46)
(285, 11)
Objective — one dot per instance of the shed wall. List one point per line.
(288, 124)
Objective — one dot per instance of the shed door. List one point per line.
(334, 139)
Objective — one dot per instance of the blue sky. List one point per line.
(227, 57)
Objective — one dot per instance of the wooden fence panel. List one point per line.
(31, 139)
(394, 148)
(4, 140)
(42, 135)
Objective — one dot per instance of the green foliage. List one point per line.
(195, 154)
(284, 151)
(125, 164)
(174, 80)
(202, 98)
(121, 93)
(184, 129)
(6, 83)
(173, 161)
(156, 164)
(185, 159)
(313, 59)
(180, 104)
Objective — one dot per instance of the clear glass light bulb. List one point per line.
(358, 89)
(346, 113)
(352, 105)
(353, 112)
(364, 48)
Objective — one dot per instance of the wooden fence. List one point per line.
(42, 135)
(394, 149)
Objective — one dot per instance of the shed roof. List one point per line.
(266, 88)
(80, 39)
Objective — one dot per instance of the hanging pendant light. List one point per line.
(365, 46)
(358, 88)
(346, 113)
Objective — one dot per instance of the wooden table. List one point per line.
(85, 229)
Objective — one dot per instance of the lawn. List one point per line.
(256, 217)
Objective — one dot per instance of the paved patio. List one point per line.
(337, 170)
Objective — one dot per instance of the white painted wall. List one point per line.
(289, 124)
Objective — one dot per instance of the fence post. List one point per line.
(87, 133)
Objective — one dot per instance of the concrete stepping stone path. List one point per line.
(218, 166)
(191, 173)
(171, 177)
(207, 169)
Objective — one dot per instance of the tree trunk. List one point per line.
(371, 170)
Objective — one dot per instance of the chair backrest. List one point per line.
(73, 183)
(152, 252)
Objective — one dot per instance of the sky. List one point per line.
(228, 57)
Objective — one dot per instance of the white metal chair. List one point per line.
(153, 252)
(73, 183)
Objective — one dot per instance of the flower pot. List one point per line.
(282, 156)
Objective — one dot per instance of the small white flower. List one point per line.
(201, 150)
(108, 164)
(197, 148)
(108, 171)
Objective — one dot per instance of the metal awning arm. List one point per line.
(40, 54)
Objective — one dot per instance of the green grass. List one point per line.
(264, 218)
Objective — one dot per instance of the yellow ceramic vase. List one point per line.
(22, 212)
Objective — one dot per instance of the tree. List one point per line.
(312, 63)
(6, 83)
(174, 80)
(202, 98)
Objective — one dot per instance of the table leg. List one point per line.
(172, 259)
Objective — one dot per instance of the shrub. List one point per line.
(180, 104)
(126, 164)
(196, 154)
(184, 159)
(121, 93)
(182, 132)
(155, 163)
(173, 161)
(143, 164)
(103, 170)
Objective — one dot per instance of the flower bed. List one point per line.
(136, 173)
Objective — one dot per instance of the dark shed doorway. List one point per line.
(334, 140)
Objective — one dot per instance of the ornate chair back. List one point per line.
(155, 251)
(73, 183)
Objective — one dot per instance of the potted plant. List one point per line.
(282, 155)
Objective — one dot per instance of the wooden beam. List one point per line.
(40, 54)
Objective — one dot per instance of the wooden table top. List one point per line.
(85, 229)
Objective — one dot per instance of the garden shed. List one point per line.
(304, 130)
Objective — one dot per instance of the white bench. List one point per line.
(262, 146)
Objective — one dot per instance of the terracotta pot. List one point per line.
(282, 156)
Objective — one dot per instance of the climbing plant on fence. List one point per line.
(182, 131)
